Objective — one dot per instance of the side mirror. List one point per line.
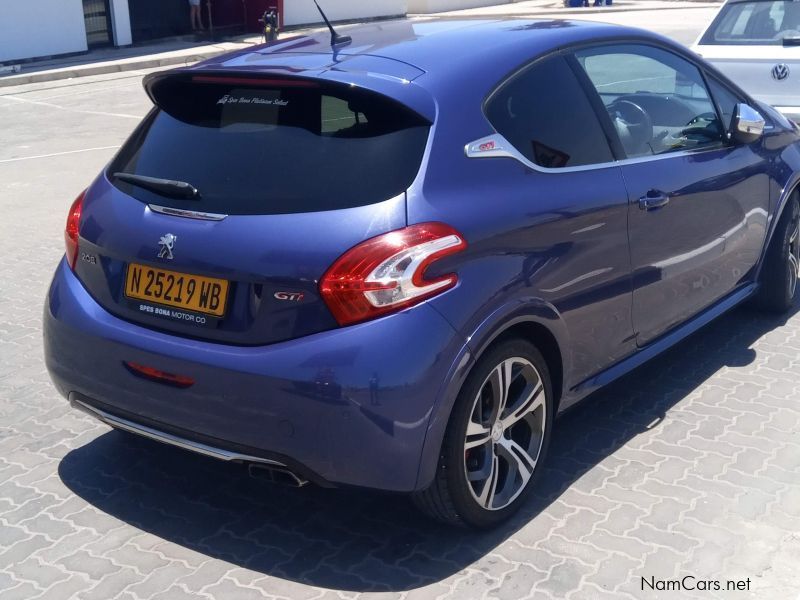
(747, 125)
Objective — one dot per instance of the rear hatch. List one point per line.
(279, 177)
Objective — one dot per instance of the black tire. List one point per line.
(451, 498)
(779, 275)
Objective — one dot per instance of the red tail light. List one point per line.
(72, 230)
(387, 273)
(255, 81)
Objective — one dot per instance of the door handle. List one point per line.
(653, 200)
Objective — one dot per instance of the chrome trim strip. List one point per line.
(188, 214)
(166, 438)
(497, 146)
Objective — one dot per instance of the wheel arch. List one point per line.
(546, 343)
(790, 190)
(531, 319)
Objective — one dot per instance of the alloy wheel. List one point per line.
(505, 433)
(794, 256)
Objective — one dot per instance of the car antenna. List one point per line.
(336, 39)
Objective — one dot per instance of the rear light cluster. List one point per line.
(387, 273)
(72, 230)
(255, 81)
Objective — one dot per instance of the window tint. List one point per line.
(726, 101)
(256, 149)
(755, 23)
(657, 101)
(546, 116)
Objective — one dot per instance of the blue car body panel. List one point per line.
(567, 253)
(352, 405)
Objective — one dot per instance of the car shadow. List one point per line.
(365, 541)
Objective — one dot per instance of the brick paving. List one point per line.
(690, 466)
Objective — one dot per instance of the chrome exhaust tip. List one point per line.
(275, 474)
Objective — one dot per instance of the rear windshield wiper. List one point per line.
(791, 41)
(165, 187)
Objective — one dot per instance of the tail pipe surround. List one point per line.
(257, 467)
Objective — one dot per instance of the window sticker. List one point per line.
(251, 100)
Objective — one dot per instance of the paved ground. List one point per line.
(690, 466)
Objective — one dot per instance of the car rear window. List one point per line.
(755, 23)
(254, 146)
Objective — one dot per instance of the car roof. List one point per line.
(433, 46)
(437, 55)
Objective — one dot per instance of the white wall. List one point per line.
(432, 6)
(121, 22)
(299, 12)
(32, 28)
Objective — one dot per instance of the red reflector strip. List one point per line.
(159, 376)
(256, 81)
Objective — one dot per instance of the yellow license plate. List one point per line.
(179, 290)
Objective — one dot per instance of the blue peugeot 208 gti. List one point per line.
(390, 261)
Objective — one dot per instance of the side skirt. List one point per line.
(655, 348)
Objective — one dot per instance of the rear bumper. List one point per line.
(350, 406)
(133, 424)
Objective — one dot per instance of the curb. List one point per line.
(544, 13)
(613, 9)
(110, 67)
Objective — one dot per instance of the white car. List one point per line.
(756, 43)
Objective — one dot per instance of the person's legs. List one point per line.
(197, 21)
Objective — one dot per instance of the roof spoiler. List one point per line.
(158, 85)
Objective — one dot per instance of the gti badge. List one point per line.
(290, 296)
(780, 72)
(166, 244)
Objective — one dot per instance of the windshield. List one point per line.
(755, 23)
(264, 148)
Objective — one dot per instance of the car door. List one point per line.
(568, 204)
(698, 203)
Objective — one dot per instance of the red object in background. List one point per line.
(226, 14)
(235, 13)
(257, 8)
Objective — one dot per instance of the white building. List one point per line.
(43, 28)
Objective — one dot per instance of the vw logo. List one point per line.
(780, 72)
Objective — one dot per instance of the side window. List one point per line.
(544, 113)
(657, 101)
(726, 101)
(737, 22)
